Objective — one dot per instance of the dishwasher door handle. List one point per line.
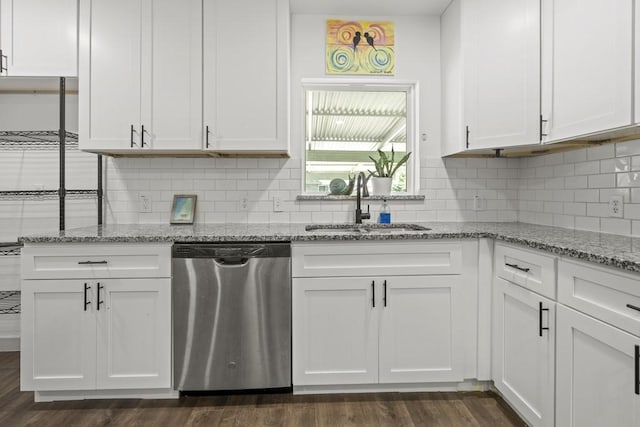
(230, 261)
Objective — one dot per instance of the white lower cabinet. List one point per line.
(363, 330)
(597, 373)
(421, 329)
(335, 331)
(58, 336)
(362, 316)
(96, 320)
(524, 351)
(113, 335)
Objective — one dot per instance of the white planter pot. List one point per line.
(380, 186)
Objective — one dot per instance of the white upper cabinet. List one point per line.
(246, 67)
(491, 74)
(587, 66)
(109, 73)
(39, 37)
(140, 75)
(636, 55)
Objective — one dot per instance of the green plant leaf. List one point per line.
(384, 163)
(401, 162)
(376, 163)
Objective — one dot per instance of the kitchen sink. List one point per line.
(365, 228)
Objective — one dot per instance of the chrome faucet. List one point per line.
(359, 187)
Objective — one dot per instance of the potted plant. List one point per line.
(385, 168)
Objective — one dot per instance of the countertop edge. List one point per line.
(628, 260)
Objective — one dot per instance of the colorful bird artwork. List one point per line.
(369, 40)
(356, 40)
(347, 54)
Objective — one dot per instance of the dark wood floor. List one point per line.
(374, 409)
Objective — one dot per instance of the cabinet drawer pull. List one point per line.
(637, 369)
(98, 299)
(6, 61)
(540, 310)
(86, 302)
(384, 296)
(206, 137)
(92, 262)
(373, 293)
(633, 307)
(517, 267)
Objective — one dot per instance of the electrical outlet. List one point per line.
(277, 204)
(144, 202)
(477, 203)
(244, 203)
(616, 206)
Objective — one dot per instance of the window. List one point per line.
(345, 124)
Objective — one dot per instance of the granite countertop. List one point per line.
(614, 250)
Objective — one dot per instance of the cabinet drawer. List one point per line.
(531, 269)
(88, 260)
(610, 296)
(320, 259)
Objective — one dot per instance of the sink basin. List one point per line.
(365, 228)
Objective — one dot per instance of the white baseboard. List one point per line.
(9, 332)
(51, 396)
(9, 344)
(468, 385)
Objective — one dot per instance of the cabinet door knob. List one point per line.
(373, 293)
(540, 310)
(86, 301)
(142, 131)
(131, 136)
(5, 59)
(637, 369)
(384, 295)
(98, 299)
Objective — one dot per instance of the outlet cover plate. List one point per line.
(144, 202)
(616, 207)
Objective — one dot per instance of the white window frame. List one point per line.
(410, 87)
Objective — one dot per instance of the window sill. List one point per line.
(331, 197)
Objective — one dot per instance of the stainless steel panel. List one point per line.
(232, 322)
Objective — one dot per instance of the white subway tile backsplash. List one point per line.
(606, 151)
(569, 189)
(575, 182)
(606, 193)
(575, 156)
(587, 195)
(587, 168)
(629, 148)
(598, 209)
(602, 181)
(615, 226)
(587, 223)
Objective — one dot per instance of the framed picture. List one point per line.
(360, 47)
(183, 209)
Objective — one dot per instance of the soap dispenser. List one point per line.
(385, 213)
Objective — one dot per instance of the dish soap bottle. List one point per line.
(385, 213)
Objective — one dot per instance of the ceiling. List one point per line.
(369, 7)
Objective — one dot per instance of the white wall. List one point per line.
(38, 169)
(220, 183)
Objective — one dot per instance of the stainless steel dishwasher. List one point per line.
(231, 316)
